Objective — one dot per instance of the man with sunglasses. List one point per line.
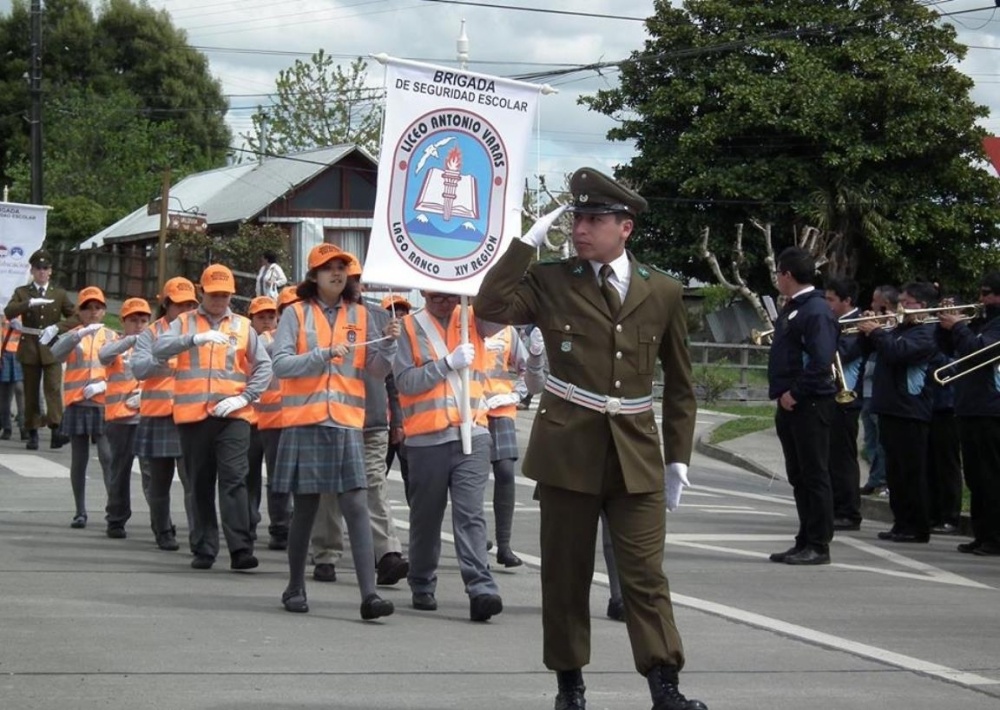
(42, 307)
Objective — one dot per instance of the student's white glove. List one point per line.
(675, 480)
(94, 389)
(133, 401)
(536, 343)
(90, 329)
(502, 400)
(16, 325)
(35, 302)
(460, 357)
(536, 235)
(211, 336)
(229, 405)
(49, 334)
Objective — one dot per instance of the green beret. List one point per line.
(596, 193)
(40, 259)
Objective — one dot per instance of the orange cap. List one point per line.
(178, 290)
(395, 300)
(217, 278)
(261, 304)
(91, 293)
(135, 305)
(322, 253)
(288, 296)
(353, 266)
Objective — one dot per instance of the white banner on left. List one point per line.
(22, 231)
(451, 175)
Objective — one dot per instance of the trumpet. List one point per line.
(761, 337)
(849, 326)
(930, 315)
(844, 395)
(943, 379)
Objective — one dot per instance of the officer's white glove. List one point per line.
(211, 336)
(35, 302)
(229, 405)
(133, 401)
(460, 357)
(90, 329)
(675, 479)
(94, 389)
(502, 400)
(16, 325)
(536, 235)
(536, 343)
(49, 334)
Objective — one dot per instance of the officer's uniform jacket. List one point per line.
(30, 351)
(589, 348)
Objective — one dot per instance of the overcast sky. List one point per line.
(502, 41)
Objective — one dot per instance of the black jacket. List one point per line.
(900, 387)
(801, 357)
(978, 393)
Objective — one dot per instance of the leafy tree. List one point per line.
(319, 104)
(847, 115)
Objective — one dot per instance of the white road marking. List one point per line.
(34, 466)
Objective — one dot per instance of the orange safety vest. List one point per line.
(338, 394)
(437, 408)
(121, 385)
(157, 399)
(502, 375)
(207, 374)
(11, 338)
(83, 367)
(268, 407)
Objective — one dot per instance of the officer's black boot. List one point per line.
(665, 693)
(571, 690)
(32, 439)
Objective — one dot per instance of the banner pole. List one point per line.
(463, 404)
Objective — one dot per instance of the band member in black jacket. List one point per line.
(800, 378)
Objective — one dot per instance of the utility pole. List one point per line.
(161, 257)
(35, 91)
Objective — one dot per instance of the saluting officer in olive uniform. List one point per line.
(41, 305)
(605, 319)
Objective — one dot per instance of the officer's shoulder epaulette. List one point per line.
(644, 270)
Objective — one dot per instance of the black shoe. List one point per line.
(616, 609)
(424, 601)
(57, 441)
(325, 572)
(571, 698)
(911, 537)
(391, 568)
(375, 607)
(24, 434)
(988, 549)
(243, 560)
(845, 524)
(167, 541)
(6, 434)
(507, 558)
(782, 556)
(887, 535)
(116, 533)
(867, 489)
(202, 562)
(969, 547)
(808, 556)
(663, 687)
(32, 444)
(294, 600)
(483, 607)
(277, 542)
(945, 529)
(79, 521)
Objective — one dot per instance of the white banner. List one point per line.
(451, 176)
(22, 231)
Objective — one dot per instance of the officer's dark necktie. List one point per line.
(609, 291)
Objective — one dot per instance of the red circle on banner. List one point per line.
(402, 165)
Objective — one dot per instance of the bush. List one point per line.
(712, 382)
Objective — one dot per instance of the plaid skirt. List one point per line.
(157, 438)
(83, 420)
(504, 434)
(319, 459)
(10, 368)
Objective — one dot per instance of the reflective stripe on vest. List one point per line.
(207, 374)
(268, 407)
(157, 398)
(121, 384)
(338, 394)
(83, 367)
(11, 339)
(437, 408)
(502, 374)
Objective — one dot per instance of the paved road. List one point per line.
(88, 622)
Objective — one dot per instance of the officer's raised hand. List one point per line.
(36, 302)
(536, 235)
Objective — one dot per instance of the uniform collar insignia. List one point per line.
(578, 269)
(643, 272)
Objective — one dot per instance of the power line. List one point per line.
(538, 9)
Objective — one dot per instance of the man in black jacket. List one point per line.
(800, 378)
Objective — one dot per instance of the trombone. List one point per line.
(844, 394)
(943, 379)
(761, 337)
(969, 311)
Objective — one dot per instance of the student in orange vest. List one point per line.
(121, 412)
(328, 536)
(157, 443)
(426, 372)
(264, 436)
(399, 307)
(84, 383)
(323, 345)
(11, 379)
(222, 369)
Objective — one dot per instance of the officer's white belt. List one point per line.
(598, 402)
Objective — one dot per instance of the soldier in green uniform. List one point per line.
(41, 306)
(594, 447)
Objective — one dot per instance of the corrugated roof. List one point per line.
(230, 194)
